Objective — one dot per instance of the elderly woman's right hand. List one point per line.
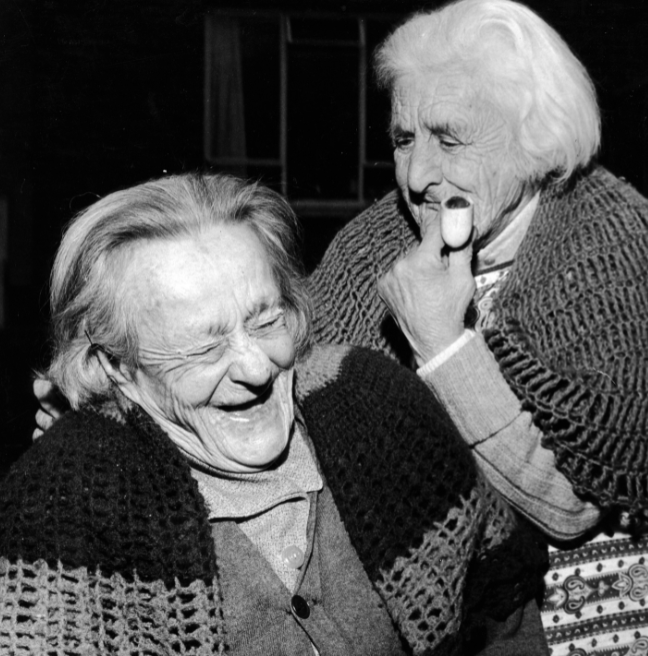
(428, 293)
(52, 405)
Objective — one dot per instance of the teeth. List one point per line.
(249, 405)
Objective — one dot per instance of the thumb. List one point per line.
(432, 244)
(461, 258)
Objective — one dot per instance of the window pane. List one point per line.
(244, 88)
(270, 174)
(321, 29)
(378, 109)
(261, 84)
(322, 122)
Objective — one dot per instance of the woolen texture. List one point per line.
(105, 545)
(570, 323)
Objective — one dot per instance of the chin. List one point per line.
(265, 459)
(257, 440)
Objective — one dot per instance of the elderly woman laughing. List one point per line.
(207, 495)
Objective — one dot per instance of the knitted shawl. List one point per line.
(570, 330)
(105, 545)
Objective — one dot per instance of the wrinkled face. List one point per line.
(216, 354)
(447, 142)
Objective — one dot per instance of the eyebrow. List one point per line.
(442, 129)
(439, 129)
(265, 306)
(396, 131)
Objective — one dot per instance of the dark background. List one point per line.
(100, 94)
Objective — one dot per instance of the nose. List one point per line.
(251, 366)
(424, 166)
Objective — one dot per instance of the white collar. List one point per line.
(504, 247)
(244, 495)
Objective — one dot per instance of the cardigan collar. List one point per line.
(240, 495)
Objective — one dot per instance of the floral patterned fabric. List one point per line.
(596, 598)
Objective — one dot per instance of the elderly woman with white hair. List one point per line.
(207, 495)
(517, 271)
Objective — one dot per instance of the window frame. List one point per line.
(333, 207)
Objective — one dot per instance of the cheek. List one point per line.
(280, 350)
(400, 164)
(196, 388)
(465, 171)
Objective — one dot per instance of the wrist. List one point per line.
(424, 351)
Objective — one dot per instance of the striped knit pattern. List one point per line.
(443, 549)
(105, 547)
(63, 611)
(569, 331)
(347, 308)
(105, 544)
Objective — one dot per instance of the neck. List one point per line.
(507, 216)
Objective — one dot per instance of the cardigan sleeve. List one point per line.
(506, 443)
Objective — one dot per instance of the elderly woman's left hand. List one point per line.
(428, 293)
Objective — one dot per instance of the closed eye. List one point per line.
(447, 138)
(449, 143)
(268, 324)
(400, 138)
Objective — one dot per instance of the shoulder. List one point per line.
(569, 333)
(358, 371)
(41, 497)
(596, 195)
(72, 448)
(381, 232)
(362, 379)
(79, 449)
(362, 373)
(343, 287)
(364, 409)
(588, 237)
(66, 449)
(384, 224)
(96, 492)
(383, 213)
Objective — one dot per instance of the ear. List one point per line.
(119, 374)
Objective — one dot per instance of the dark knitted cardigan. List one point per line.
(570, 329)
(105, 545)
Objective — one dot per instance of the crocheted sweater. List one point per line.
(570, 323)
(105, 545)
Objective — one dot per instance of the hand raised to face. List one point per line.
(428, 292)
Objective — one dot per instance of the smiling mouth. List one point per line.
(252, 403)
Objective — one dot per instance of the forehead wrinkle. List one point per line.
(240, 288)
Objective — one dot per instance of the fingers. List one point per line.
(42, 388)
(461, 258)
(50, 398)
(44, 421)
(431, 245)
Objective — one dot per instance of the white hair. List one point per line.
(90, 306)
(519, 63)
